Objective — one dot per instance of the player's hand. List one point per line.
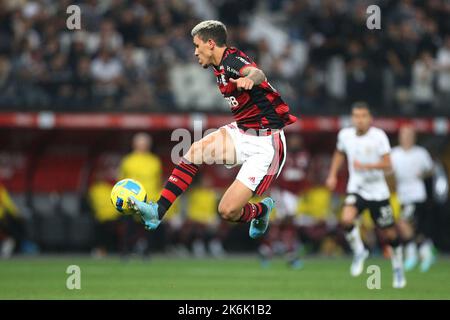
(358, 165)
(243, 83)
(331, 182)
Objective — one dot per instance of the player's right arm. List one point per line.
(336, 164)
(250, 76)
(391, 179)
(337, 161)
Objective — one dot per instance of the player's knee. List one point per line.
(404, 229)
(390, 233)
(347, 222)
(227, 212)
(348, 217)
(196, 147)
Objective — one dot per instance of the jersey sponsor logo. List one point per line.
(173, 179)
(229, 69)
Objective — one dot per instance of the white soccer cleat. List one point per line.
(399, 280)
(357, 266)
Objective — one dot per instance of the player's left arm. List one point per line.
(384, 164)
(251, 76)
(428, 167)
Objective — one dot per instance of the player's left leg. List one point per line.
(382, 214)
(426, 254)
(353, 206)
(235, 206)
(262, 160)
(391, 234)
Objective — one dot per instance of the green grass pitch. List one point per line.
(230, 278)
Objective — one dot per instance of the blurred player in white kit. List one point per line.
(412, 164)
(368, 156)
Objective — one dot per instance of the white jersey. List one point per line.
(367, 149)
(409, 166)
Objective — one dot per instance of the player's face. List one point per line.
(361, 119)
(203, 51)
(407, 137)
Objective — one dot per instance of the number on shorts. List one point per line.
(386, 216)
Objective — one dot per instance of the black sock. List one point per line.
(348, 228)
(394, 243)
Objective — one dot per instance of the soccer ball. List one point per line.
(124, 189)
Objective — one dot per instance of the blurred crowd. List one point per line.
(137, 55)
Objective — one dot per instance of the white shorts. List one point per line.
(262, 157)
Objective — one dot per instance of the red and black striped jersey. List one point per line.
(258, 108)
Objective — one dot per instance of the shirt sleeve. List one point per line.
(394, 158)
(427, 161)
(340, 144)
(234, 64)
(384, 145)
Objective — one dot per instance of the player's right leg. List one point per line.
(216, 147)
(352, 235)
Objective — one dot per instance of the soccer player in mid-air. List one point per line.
(255, 140)
(368, 156)
(412, 164)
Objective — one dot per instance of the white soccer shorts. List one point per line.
(262, 157)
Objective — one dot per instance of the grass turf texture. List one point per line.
(231, 278)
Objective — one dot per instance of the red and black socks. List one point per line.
(176, 184)
(251, 211)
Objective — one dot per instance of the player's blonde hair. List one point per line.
(211, 29)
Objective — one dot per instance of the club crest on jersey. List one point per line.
(221, 79)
